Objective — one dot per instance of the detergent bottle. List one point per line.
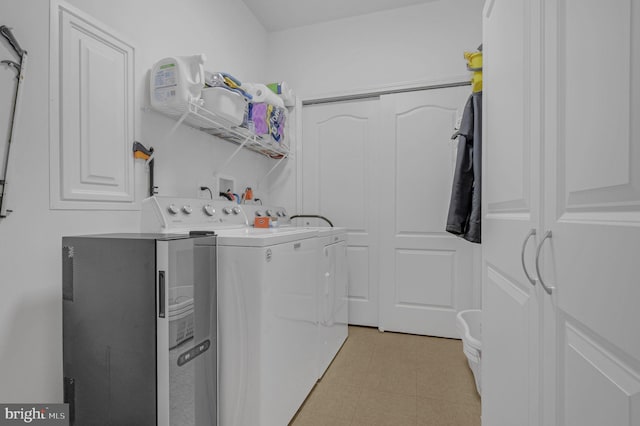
(176, 81)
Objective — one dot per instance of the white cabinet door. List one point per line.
(339, 181)
(511, 198)
(426, 273)
(579, 363)
(92, 116)
(592, 165)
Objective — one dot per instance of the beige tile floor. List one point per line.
(394, 379)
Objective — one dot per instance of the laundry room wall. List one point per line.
(30, 237)
(419, 44)
(382, 50)
(410, 44)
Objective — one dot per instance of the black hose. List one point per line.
(316, 216)
(206, 188)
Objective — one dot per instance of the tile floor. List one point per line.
(394, 379)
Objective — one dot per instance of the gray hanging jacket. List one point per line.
(465, 206)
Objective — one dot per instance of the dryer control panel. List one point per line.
(276, 213)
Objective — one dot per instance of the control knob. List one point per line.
(282, 213)
(236, 210)
(259, 213)
(209, 210)
(172, 209)
(187, 209)
(269, 212)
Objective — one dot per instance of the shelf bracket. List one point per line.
(175, 126)
(226, 163)
(275, 166)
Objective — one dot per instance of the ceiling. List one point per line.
(278, 15)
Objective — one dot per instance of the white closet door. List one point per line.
(593, 211)
(425, 273)
(340, 142)
(511, 199)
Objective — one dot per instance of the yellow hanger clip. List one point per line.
(474, 64)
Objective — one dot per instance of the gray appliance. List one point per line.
(140, 329)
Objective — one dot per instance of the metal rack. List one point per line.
(200, 118)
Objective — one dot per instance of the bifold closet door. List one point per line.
(426, 274)
(339, 180)
(592, 170)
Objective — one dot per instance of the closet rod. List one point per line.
(371, 95)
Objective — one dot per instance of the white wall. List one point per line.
(422, 43)
(30, 238)
(415, 43)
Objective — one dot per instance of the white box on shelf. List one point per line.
(225, 103)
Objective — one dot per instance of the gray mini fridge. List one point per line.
(140, 329)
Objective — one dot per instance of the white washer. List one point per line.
(332, 283)
(268, 334)
(267, 307)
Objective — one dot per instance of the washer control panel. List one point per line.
(173, 214)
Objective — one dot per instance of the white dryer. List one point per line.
(331, 284)
(333, 303)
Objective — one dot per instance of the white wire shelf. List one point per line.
(206, 121)
(209, 122)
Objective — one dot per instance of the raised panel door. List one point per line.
(511, 196)
(92, 116)
(425, 273)
(339, 173)
(590, 259)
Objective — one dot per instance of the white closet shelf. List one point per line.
(209, 122)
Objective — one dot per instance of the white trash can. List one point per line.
(469, 327)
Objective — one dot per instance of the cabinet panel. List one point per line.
(425, 278)
(507, 148)
(99, 124)
(610, 391)
(423, 154)
(509, 345)
(595, 117)
(358, 277)
(598, 110)
(343, 170)
(92, 114)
